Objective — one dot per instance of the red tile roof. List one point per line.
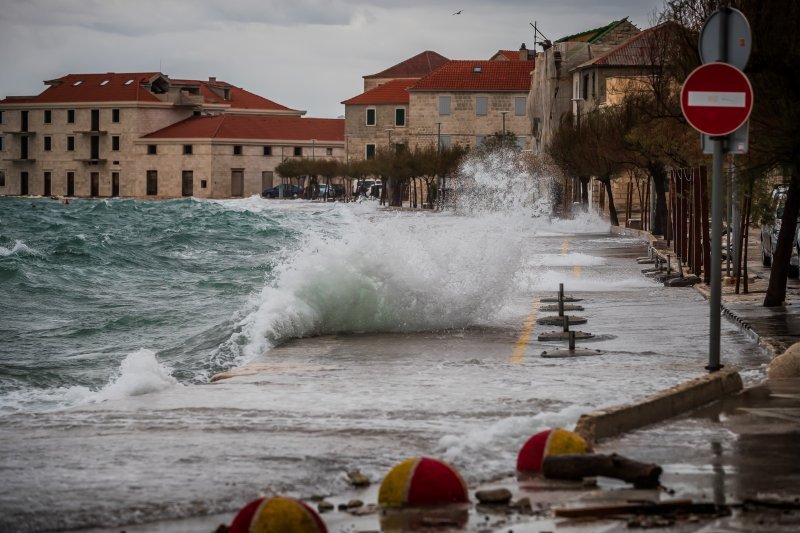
(110, 87)
(239, 98)
(415, 67)
(127, 87)
(392, 92)
(637, 51)
(479, 76)
(511, 55)
(254, 127)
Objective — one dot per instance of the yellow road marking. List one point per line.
(518, 355)
(576, 270)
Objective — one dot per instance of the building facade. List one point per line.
(84, 136)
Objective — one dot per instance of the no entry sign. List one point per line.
(716, 99)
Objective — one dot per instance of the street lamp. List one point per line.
(504, 122)
(389, 131)
(439, 137)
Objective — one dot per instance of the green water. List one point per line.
(83, 285)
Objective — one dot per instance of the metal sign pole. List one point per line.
(715, 301)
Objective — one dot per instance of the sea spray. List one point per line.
(504, 181)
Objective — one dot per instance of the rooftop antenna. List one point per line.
(545, 42)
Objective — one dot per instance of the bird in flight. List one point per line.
(458, 12)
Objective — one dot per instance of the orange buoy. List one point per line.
(278, 514)
(548, 442)
(422, 481)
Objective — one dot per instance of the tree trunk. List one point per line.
(612, 210)
(660, 220)
(579, 466)
(585, 190)
(776, 291)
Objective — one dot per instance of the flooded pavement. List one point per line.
(295, 420)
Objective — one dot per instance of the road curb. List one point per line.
(612, 421)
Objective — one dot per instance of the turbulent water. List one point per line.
(114, 315)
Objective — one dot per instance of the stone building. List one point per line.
(551, 87)
(83, 136)
(464, 102)
(459, 102)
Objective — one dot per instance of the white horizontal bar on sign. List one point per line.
(716, 99)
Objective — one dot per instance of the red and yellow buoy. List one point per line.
(422, 481)
(549, 442)
(278, 514)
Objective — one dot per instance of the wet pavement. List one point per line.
(741, 454)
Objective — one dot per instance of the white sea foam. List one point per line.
(566, 260)
(19, 248)
(574, 280)
(140, 373)
(490, 450)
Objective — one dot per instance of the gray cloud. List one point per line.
(306, 54)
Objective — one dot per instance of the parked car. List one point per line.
(771, 228)
(289, 191)
(369, 188)
(332, 191)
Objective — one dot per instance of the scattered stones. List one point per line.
(523, 506)
(354, 504)
(357, 479)
(494, 496)
(324, 506)
(364, 510)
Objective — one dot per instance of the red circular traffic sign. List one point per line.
(716, 99)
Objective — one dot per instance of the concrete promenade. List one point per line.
(730, 453)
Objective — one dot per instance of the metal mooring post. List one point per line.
(560, 299)
(571, 340)
(566, 323)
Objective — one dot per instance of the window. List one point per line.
(70, 143)
(2, 178)
(298, 151)
(2, 144)
(444, 141)
(151, 149)
(70, 184)
(115, 116)
(519, 106)
(48, 116)
(268, 150)
(237, 149)
(586, 87)
(400, 117)
(370, 151)
(187, 149)
(48, 143)
(152, 182)
(481, 105)
(115, 143)
(328, 151)
(371, 120)
(70, 116)
(444, 105)
(2, 117)
(203, 184)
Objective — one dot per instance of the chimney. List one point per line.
(212, 79)
(523, 52)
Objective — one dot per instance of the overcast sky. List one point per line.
(305, 54)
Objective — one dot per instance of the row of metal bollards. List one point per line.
(564, 320)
